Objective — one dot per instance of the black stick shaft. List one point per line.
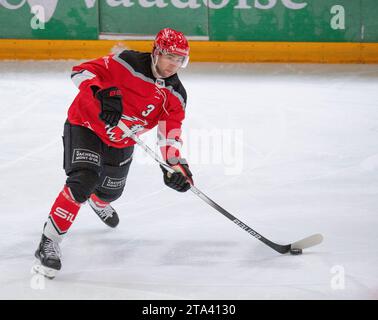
(242, 225)
(279, 248)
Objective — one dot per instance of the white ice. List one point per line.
(289, 149)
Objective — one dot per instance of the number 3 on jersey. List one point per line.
(150, 108)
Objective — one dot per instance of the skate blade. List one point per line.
(43, 270)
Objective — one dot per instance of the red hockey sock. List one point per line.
(62, 215)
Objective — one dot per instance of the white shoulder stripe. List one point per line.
(79, 77)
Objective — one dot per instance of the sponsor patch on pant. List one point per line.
(85, 155)
(114, 183)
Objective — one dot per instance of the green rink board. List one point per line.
(219, 20)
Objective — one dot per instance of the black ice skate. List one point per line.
(104, 210)
(48, 255)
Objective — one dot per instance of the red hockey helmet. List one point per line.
(169, 41)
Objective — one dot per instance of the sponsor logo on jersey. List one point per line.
(106, 61)
(135, 124)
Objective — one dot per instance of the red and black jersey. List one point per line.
(147, 101)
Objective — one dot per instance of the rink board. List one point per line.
(206, 51)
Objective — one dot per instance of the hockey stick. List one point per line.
(301, 244)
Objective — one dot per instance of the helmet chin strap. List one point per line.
(153, 66)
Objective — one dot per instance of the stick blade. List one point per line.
(308, 242)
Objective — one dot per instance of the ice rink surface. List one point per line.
(289, 149)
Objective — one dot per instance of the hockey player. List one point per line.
(140, 89)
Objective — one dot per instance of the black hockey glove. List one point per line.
(111, 105)
(181, 179)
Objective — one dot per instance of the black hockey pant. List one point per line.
(92, 166)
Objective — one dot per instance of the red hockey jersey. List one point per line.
(147, 101)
